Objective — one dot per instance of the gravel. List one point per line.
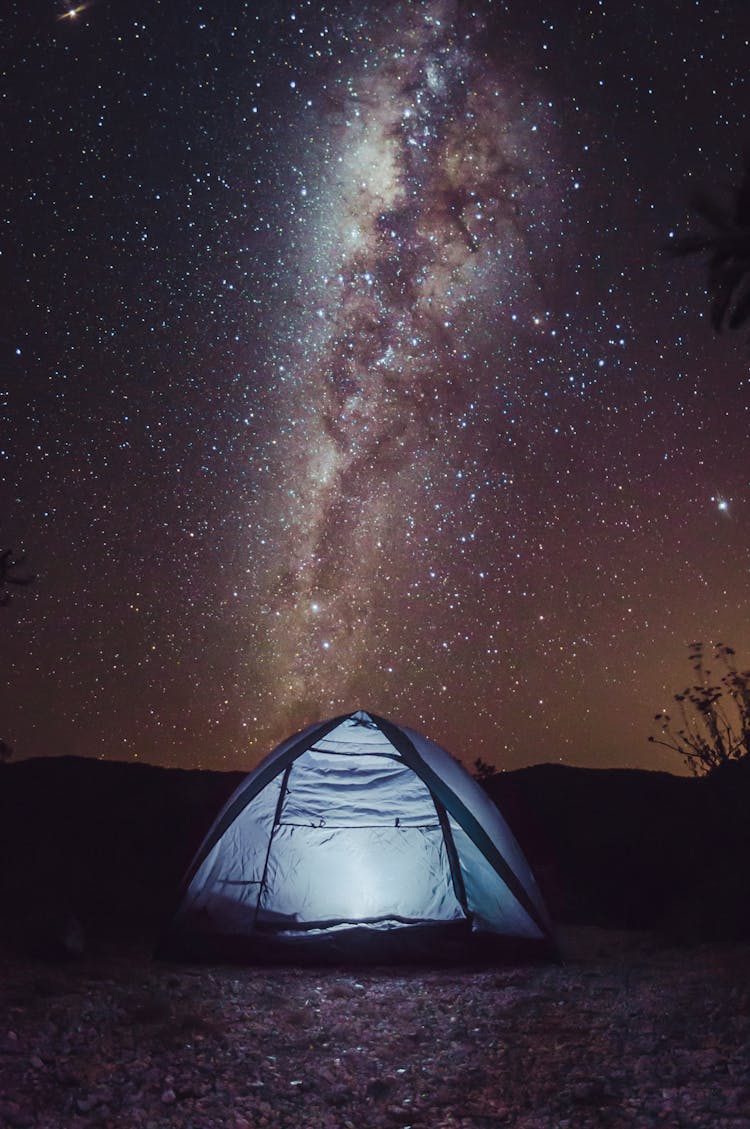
(625, 1034)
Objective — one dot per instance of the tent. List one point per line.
(357, 836)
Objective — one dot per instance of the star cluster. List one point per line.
(342, 367)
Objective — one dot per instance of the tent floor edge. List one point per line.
(448, 946)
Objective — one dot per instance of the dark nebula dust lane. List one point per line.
(341, 366)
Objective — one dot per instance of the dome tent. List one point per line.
(357, 836)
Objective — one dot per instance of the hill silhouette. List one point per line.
(104, 844)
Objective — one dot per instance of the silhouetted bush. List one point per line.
(712, 727)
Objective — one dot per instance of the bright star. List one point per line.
(73, 13)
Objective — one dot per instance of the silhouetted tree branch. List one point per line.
(712, 726)
(726, 249)
(482, 771)
(9, 565)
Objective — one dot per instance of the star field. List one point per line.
(342, 367)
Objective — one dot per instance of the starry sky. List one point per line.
(342, 366)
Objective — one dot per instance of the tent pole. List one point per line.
(453, 862)
(276, 822)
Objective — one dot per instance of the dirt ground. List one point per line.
(626, 1034)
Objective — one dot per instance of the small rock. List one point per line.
(20, 1120)
(168, 1097)
(379, 1087)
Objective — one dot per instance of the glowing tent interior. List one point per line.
(357, 836)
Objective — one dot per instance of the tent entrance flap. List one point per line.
(350, 873)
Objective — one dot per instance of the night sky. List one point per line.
(342, 367)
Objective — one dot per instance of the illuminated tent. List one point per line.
(357, 836)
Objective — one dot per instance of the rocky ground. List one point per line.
(627, 1033)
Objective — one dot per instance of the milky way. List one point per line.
(342, 367)
(421, 240)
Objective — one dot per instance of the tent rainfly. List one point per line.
(358, 836)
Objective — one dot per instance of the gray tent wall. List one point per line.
(356, 824)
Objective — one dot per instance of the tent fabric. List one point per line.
(354, 826)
